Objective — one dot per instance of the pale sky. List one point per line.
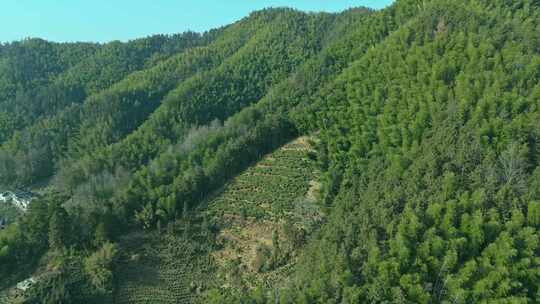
(106, 20)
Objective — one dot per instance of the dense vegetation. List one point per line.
(425, 123)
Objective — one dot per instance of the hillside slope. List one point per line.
(220, 246)
(189, 177)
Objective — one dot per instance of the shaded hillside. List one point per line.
(39, 87)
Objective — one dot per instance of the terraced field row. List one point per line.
(269, 189)
(159, 269)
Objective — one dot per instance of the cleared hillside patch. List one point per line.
(231, 240)
(261, 213)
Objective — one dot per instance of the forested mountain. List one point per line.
(176, 169)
